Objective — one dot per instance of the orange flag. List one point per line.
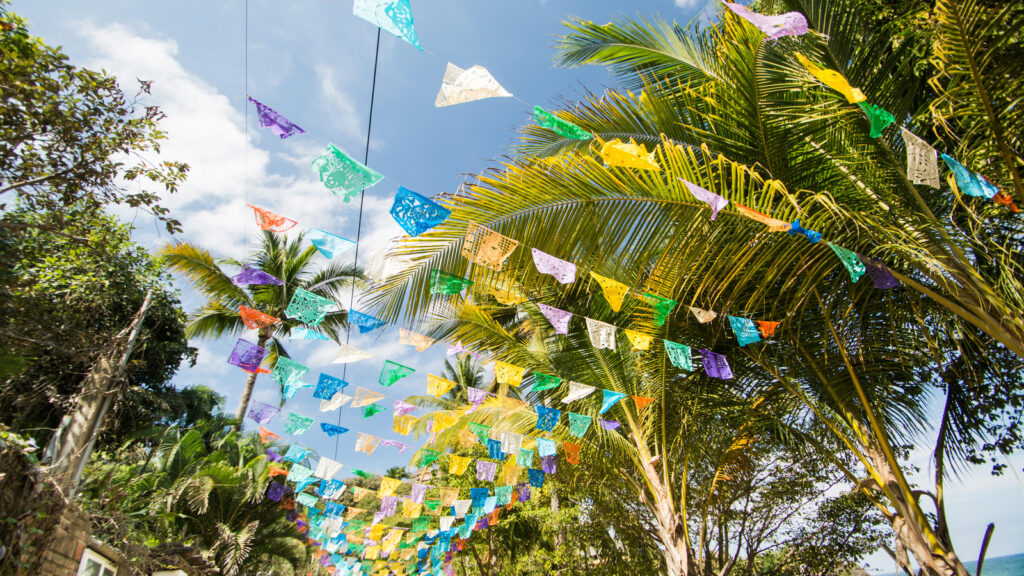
(267, 434)
(642, 401)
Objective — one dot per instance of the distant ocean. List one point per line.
(1001, 566)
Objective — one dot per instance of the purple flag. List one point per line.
(549, 464)
(273, 456)
(276, 491)
(788, 24)
(609, 424)
(485, 470)
(458, 348)
(476, 395)
(262, 412)
(524, 492)
(715, 365)
(250, 275)
(563, 271)
(879, 273)
(403, 408)
(559, 318)
(277, 123)
(418, 492)
(389, 504)
(247, 355)
(402, 447)
(708, 197)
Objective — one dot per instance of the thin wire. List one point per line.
(245, 144)
(359, 225)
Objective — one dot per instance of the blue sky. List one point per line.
(312, 60)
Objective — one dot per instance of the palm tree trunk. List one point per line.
(250, 383)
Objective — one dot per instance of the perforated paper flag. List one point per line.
(459, 86)
(403, 408)
(339, 173)
(443, 420)
(372, 410)
(336, 401)
(524, 458)
(332, 430)
(307, 334)
(296, 453)
(327, 386)
(332, 489)
(879, 273)
(254, 276)
(766, 328)
(578, 424)
(563, 128)
(288, 372)
(833, 80)
(508, 374)
(403, 424)
(330, 245)
(427, 456)
(773, 224)
(559, 319)
(298, 473)
(486, 247)
(267, 220)
(628, 155)
(715, 365)
(419, 341)
(572, 452)
(641, 401)
(850, 261)
(614, 291)
(788, 24)
(510, 442)
(297, 424)
(457, 465)
(922, 160)
(327, 468)
(609, 398)
(359, 493)
(416, 213)
(662, 307)
(364, 397)
(278, 124)
(543, 381)
(394, 16)
(262, 412)
(563, 271)
(348, 354)
(393, 372)
(494, 449)
(703, 316)
(536, 477)
(968, 182)
(507, 294)
(879, 117)
(247, 355)
(678, 354)
(602, 335)
(744, 329)
(609, 424)
(448, 284)
(365, 322)
(639, 340)
(485, 470)
(482, 431)
(545, 447)
(289, 389)
(796, 229)
(388, 486)
(476, 395)
(509, 472)
(366, 443)
(308, 307)
(549, 464)
(547, 418)
(706, 196)
(437, 386)
(577, 391)
(267, 435)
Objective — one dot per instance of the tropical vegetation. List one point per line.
(851, 370)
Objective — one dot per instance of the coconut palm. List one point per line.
(290, 260)
(738, 115)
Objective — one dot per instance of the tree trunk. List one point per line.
(72, 442)
(250, 383)
(675, 548)
(912, 531)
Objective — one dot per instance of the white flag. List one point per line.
(460, 86)
(602, 335)
(577, 391)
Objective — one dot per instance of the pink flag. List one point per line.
(558, 318)
(708, 197)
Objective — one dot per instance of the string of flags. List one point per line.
(417, 214)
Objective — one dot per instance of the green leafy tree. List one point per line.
(70, 136)
(65, 295)
(290, 260)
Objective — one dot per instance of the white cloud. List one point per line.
(338, 105)
(206, 129)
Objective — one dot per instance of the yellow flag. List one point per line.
(410, 509)
(458, 464)
(411, 338)
(510, 472)
(638, 340)
(403, 424)
(614, 291)
(443, 420)
(437, 386)
(631, 155)
(833, 80)
(508, 374)
(388, 486)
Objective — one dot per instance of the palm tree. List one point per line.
(288, 259)
(737, 115)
